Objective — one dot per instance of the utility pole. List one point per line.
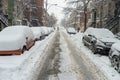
(46, 5)
(10, 11)
(85, 13)
(101, 13)
(85, 17)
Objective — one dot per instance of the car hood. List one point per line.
(116, 46)
(10, 42)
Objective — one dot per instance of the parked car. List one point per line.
(37, 33)
(114, 56)
(45, 31)
(99, 40)
(71, 30)
(117, 35)
(16, 39)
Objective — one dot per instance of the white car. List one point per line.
(114, 56)
(45, 31)
(16, 39)
(37, 32)
(71, 31)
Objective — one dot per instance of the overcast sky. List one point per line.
(56, 10)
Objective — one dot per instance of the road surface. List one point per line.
(78, 66)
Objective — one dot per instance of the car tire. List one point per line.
(24, 49)
(84, 44)
(94, 50)
(115, 62)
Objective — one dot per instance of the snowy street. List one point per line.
(59, 56)
(67, 63)
(59, 39)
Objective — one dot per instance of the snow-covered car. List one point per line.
(71, 30)
(36, 32)
(16, 39)
(99, 40)
(45, 31)
(50, 29)
(114, 56)
(117, 35)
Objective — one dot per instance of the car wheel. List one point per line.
(84, 44)
(115, 62)
(24, 49)
(94, 50)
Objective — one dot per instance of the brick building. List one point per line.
(21, 12)
(36, 12)
(106, 14)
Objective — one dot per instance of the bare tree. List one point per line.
(84, 3)
(52, 20)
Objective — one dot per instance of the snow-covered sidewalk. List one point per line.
(24, 67)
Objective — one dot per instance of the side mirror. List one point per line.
(93, 41)
(89, 35)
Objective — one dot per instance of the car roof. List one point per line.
(14, 29)
(99, 31)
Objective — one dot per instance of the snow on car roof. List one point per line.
(13, 29)
(99, 32)
(35, 29)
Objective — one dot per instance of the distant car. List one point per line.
(45, 31)
(16, 39)
(71, 30)
(37, 33)
(114, 56)
(99, 40)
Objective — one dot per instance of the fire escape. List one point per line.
(114, 22)
(3, 18)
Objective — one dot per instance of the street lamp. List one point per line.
(119, 22)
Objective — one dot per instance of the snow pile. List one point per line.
(102, 62)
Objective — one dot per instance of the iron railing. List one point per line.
(4, 20)
(112, 23)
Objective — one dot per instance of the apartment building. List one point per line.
(3, 13)
(104, 13)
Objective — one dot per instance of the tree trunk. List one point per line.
(85, 19)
